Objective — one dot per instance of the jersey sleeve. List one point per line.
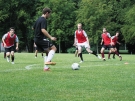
(108, 34)
(44, 24)
(4, 36)
(75, 34)
(16, 39)
(84, 33)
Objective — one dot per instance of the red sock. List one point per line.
(109, 55)
(102, 55)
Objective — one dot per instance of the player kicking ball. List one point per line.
(41, 38)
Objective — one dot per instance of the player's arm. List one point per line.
(75, 39)
(101, 42)
(3, 39)
(17, 43)
(118, 42)
(48, 35)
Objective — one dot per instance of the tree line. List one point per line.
(115, 15)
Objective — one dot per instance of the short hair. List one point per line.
(45, 10)
(11, 28)
(79, 24)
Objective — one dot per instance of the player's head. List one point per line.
(47, 12)
(11, 30)
(104, 30)
(79, 26)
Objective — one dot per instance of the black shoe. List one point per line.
(120, 58)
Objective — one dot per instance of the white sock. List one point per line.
(50, 55)
(45, 66)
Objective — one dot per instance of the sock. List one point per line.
(116, 53)
(94, 53)
(8, 57)
(42, 55)
(12, 58)
(102, 55)
(45, 66)
(109, 55)
(4, 54)
(50, 55)
(81, 56)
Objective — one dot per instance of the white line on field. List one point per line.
(30, 66)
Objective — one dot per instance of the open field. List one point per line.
(97, 80)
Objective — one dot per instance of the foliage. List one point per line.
(115, 15)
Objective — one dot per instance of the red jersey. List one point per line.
(80, 36)
(114, 39)
(106, 38)
(10, 40)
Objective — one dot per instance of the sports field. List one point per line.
(97, 80)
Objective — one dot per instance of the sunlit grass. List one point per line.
(97, 80)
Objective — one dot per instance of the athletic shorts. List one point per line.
(107, 46)
(12, 48)
(43, 44)
(114, 46)
(84, 44)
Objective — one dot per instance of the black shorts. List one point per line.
(10, 49)
(107, 46)
(114, 46)
(43, 44)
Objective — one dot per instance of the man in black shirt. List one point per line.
(41, 35)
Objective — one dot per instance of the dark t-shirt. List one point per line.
(41, 23)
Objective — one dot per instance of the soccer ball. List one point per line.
(75, 66)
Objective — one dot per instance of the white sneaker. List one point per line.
(99, 57)
(8, 59)
(12, 62)
(81, 61)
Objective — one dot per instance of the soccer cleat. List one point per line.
(98, 56)
(12, 63)
(8, 59)
(120, 58)
(50, 63)
(81, 61)
(104, 59)
(46, 69)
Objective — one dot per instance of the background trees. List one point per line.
(115, 15)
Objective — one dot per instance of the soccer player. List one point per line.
(115, 41)
(36, 51)
(81, 40)
(8, 40)
(40, 39)
(107, 43)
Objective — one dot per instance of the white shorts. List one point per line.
(85, 44)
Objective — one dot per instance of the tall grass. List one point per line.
(97, 80)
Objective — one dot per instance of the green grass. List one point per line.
(97, 80)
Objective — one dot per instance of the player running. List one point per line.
(107, 43)
(81, 40)
(8, 40)
(115, 41)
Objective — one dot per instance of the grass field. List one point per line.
(97, 80)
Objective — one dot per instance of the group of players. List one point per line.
(107, 42)
(44, 45)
